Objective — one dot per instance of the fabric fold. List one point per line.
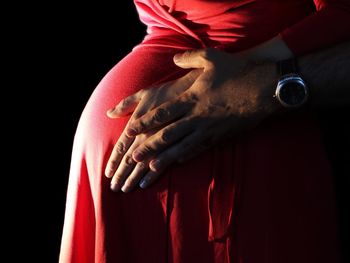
(222, 194)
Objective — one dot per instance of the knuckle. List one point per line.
(140, 125)
(146, 149)
(120, 148)
(166, 136)
(160, 115)
(190, 97)
(194, 97)
(142, 165)
(128, 160)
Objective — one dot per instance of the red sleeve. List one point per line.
(329, 25)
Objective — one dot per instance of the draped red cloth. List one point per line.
(266, 196)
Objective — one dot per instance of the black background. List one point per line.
(94, 40)
(53, 56)
(56, 56)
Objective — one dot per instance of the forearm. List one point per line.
(327, 74)
(321, 29)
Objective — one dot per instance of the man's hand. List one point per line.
(121, 167)
(228, 97)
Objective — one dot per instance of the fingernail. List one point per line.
(109, 112)
(115, 187)
(155, 165)
(144, 182)
(131, 132)
(126, 189)
(109, 173)
(177, 58)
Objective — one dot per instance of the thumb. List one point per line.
(191, 59)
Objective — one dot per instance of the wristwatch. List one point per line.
(291, 91)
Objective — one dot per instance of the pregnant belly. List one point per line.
(143, 67)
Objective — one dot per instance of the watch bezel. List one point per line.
(292, 77)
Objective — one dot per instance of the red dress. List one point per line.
(266, 196)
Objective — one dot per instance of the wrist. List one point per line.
(291, 91)
(285, 91)
(265, 78)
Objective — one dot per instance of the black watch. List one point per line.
(291, 91)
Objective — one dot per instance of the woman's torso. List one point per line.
(231, 24)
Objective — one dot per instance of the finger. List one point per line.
(163, 114)
(195, 152)
(149, 179)
(186, 81)
(165, 92)
(140, 169)
(175, 152)
(119, 150)
(164, 139)
(193, 58)
(125, 106)
(124, 169)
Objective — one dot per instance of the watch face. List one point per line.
(292, 92)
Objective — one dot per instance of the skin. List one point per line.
(224, 95)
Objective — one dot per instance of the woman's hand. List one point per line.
(227, 97)
(121, 167)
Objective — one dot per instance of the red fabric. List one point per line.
(266, 196)
(330, 23)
